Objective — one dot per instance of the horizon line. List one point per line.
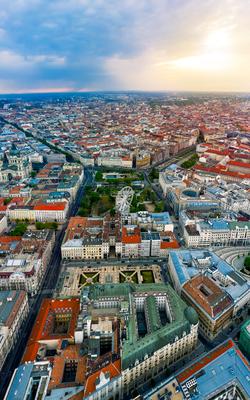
(124, 91)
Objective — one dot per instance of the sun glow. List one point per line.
(219, 39)
(214, 54)
(212, 62)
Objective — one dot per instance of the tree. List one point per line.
(190, 162)
(83, 212)
(46, 225)
(247, 263)
(39, 225)
(159, 206)
(98, 176)
(94, 197)
(7, 201)
(154, 174)
(19, 229)
(141, 207)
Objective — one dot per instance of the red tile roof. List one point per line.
(219, 152)
(60, 206)
(214, 303)
(239, 164)
(41, 331)
(114, 369)
(131, 238)
(219, 170)
(9, 239)
(173, 244)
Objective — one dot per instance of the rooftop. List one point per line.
(209, 296)
(10, 300)
(189, 263)
(50, 326)
(223, 367)
(136, 347)
(23, 377)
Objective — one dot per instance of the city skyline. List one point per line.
(81, 45)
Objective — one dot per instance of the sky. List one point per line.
(85, 45)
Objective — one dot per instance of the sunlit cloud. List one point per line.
(206, 62)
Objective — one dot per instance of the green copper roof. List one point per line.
(153, 313)
(244, 341)
(134, 347)
(191, 315)
(239, 224)
(110, 290)
(246, 328)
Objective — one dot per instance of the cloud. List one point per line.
(106, 44)
(12, 60)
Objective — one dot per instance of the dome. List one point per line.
(191, 315)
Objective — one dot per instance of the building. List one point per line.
(3, 223)
(244, 341)
(42, 212)
(21, 212)
(232, 196)
(136, 242)
(171, 178)
(210, 285)
(114, 161)
(14, 165)
(13, 312)
(26, 260)
(131, 241)
(142, 159)
(55, 322)
(220, 375)
(29, 378)
(21, 273)
(158, 328)
(190, 199)
(217, 232)
(104, 383)
(168, 387)
(213, 305)
(91, 237)
(148, 235)
(150, 221)
(51, 212)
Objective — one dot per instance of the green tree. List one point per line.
(141, 207)
(159, 206)
(94, 197)
(98, 176)
(247, 263)
(6, 201)
(46, 225)
(190, 162)
(39, 225)
(19, 229)
(154, 174)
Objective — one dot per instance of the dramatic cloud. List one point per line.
(134, 44)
